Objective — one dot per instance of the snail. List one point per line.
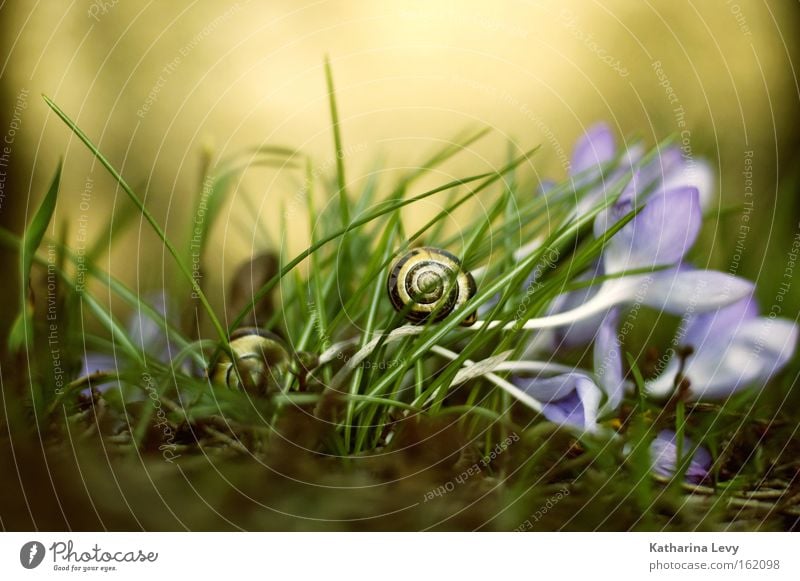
(263, 359)
(427, 284)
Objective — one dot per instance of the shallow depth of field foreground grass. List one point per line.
(374, 423)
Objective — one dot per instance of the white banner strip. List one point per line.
(399, 556)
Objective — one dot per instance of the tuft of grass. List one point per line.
(344, 445)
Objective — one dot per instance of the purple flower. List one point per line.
(573, 399)
(570, 399)
(674, 191)
(659, 236)
(668, 170)
(733, 348)
(664, 457)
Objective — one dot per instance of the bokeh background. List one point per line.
(161, 85)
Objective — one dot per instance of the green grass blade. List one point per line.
(344, 204)
(388, 208)
(22, 330)
(144, 211)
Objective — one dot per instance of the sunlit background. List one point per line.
(160, 86)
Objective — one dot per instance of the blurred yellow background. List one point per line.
(154, 83)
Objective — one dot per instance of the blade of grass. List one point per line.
(344, 204)
(22, 329)
(355, 224)
(146, 213)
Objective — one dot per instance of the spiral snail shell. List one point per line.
(262, 359)
(427, 284)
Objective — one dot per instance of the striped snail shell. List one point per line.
(427, 284)
(262, 359)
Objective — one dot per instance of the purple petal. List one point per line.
(684, 290)
(579, 333)
(720, 323)
(149, 332)
(696, 173)
(725, 364)
(595, 148)
(608, 360)
(94, 362)
(567, 411)
(733, 348)
(659, 235)
(571, 399)
(659, 170)
(664, 457)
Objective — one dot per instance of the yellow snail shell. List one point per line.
(263, 360)
(427, 284)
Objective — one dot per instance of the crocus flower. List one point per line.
(658, 237)
(664, 457)
(571, 399)
(669, 169)
(732, 348)
(660, 179)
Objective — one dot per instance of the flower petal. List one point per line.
(593, 149)
(685, 291)
(654, 174)
(571, 399)
(732, 349)
(664, 457)
(723, 365)
(696, 173)
(579, 333)
(660, 234)
(608, 360)
(723, 322)
(149, 333)
(94, 362)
